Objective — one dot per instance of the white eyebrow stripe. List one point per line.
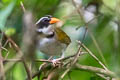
(40, 20)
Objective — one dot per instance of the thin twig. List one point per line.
(98, 47)
(93, 55)
(86, 25)
(2, 35)
(79, 49)
(27, 70)
(5, 43)
(72, 64)
(20, 60)
(78, 10)
(6, 53)
(103, 76)
(28, 40)
(22, 6)
(62, 59)
(43, 60)
(2, 73)
(41, 68)
(17, 48)
(18, 56)
(96, 70)
(71, 56)
(37, 73)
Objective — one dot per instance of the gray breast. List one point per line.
(51, 47)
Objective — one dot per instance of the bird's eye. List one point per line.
(46, 20)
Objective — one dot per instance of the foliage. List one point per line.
(102, 38)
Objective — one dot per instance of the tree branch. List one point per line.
(96, 70)
(86, 26)
(91, 54)
(2, 73)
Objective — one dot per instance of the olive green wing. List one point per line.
(62, 36)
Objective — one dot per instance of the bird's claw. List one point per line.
(56, 62)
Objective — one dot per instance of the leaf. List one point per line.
(110, 3)
(19, 72)
(10, 31)
(4, 13)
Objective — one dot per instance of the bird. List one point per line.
(51, 40)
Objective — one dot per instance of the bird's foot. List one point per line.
(56, 62)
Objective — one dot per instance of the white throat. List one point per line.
(46, 30)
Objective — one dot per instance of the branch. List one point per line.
(19, 56)
(91, 54)
(17, 48)
(85, 68)
(20, 60)
(29, 42)
(22, 6)
(80, 48)
(62, 59)
(86, 25)
(29, 73)
(72, 64)
(97, 47)
(2, 73)
(96, 70)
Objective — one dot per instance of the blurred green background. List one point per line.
(102, 38)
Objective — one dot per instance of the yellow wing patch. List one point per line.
(62, 36)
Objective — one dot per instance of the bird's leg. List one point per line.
(57, 61)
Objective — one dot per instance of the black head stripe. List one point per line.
(43, 22)
(40, 20)
(51, 35)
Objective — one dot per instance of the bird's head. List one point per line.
(44, 24)
(46, 21)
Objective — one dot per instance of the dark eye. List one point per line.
(46, 20)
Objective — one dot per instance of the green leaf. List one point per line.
(110, 3)
(4, 13)
(19, 72)
(10, 31)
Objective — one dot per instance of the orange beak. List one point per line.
(54, 20)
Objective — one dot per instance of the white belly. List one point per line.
(51, 47)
